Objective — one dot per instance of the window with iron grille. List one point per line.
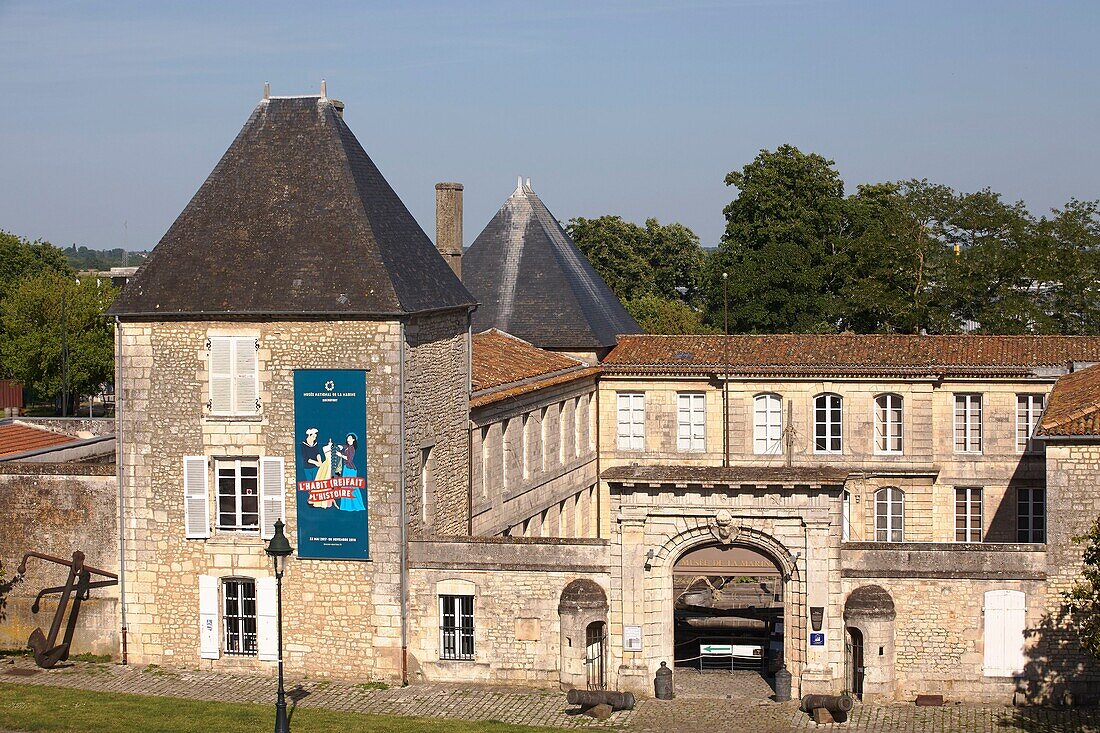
(239, 618)
(888, 424)
(1031, 515)
(968, 423)
(456, 627)
(238, 494)
(1029, 408)
(968, 514)
(827, 423)
(889, 515)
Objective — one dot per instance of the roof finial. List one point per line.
(267, 90)
(529, 184)
(324, 90)
(519, 184)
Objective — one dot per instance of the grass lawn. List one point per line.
(40, 708)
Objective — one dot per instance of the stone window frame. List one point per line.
(629, 441)
(889, 431)
(969, 433)
(969, 499)
(232, 588)
(1031, 534)
(238, 527)
(828, 429)
(1027, 420)
(761, 431)
(457, 636)
(888, 497)
(691, 398)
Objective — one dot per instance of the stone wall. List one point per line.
(938, 591)
(437, 418)
(1066, 672)
(340, 618)
(57, 509)
(517, 584)
(549, 491)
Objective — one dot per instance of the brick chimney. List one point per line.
(448, 224)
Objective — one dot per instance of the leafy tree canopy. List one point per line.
(20, 257)
(662, 315)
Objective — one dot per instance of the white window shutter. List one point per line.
(272, 494)
(196, 498)
(221, 375)
(246, 388)
(1004, 633)
(267, 630)
(209, 646)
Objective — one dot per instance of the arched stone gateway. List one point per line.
(683, 570)
(869, 659)
(582, 609)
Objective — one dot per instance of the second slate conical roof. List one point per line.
(532, 281)
(295, 220)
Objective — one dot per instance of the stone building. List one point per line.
(545, 496)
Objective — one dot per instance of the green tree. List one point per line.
(614, 247)
(676, 258)
(897, 258)
(1083, 600)
(1068, 277)
(663, 315)
(20, 257)
(783, 245)
(43, 313)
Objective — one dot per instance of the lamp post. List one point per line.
(279, 549)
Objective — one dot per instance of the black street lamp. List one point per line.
(279, 549)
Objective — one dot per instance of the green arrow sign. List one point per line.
(716, 649)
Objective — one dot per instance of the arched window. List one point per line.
(767, 433)
(888, 423)
(889, 515)
(828, 411)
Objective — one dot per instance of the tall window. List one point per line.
(238, 494)
(968, 514)
(525, 444)
(578, 421)
(691, 421)
(827, 423)
(1031, 515)
(239, 616)
(544, 416)
(845, 515)
(968, 423)
(890, 515)
(426, 481)
(1029, 408)
(631, 406)
(888, 423)
(234, 389)
(767, 426)
(561, 433)
(456, 627)
(485, 460)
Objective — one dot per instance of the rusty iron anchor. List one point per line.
(78, 586)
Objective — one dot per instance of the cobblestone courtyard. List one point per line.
(742, 708)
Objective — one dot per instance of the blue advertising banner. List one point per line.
(330, 425)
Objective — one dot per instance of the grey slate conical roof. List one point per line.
(532, 281)
(295, 220)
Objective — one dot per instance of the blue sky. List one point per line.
(115, 112)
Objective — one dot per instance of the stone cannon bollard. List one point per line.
(827, 708)
(662, 683)
(588, 699)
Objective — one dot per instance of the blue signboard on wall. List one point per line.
(330, 430)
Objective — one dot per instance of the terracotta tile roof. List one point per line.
(1074, 405)
(505, 366)
(730, 475)
(849, 354)
(15, 438)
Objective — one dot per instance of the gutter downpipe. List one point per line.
(403, 514)
(119, 453)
